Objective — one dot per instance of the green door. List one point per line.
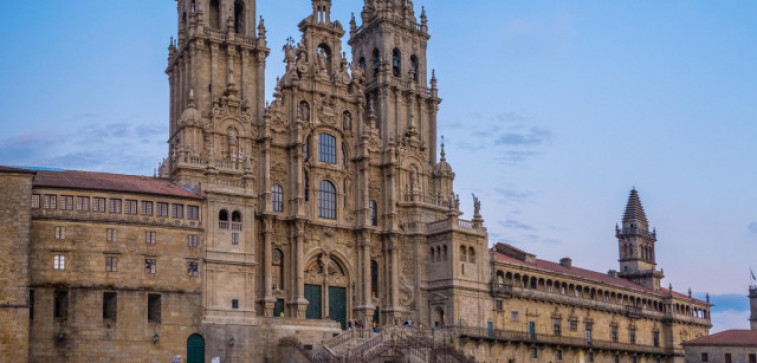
(490, 328)
(313, 296)
(195, 349)
(338, 305)
(532, 329)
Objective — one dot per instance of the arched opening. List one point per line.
(438, 253)
(444, 252)
(326, 200)
(361, 63)
(463, 254)
(215, 14)
(326, 288)
(500, 278)
(373, 212)
(307, 186)
(223, 219)
(236, 216)
(277, 269)
(414, 67)
(471, 255)
(239, 18)
(324, 58)
(277, 198)
(431, 254)
(195, 349)
(396, 62)
(376, 62)
(374, 278)
(438, 318)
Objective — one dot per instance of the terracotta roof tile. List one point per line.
(728, 338)
(73, 179)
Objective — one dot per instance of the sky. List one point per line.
(552, 112)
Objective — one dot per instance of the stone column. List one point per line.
(299, 281)
(268, 301)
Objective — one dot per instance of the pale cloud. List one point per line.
(513, 224)
(729, 319)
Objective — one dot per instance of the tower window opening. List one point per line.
(277, 198)
(223, 219)
(414, 67)
(327, 200)
(215, 14)
(376, 62)
(327, 148)
(396, 62)
(277, 264)
(373, 212)
(361, 63)
(239, 17)
(374, 278)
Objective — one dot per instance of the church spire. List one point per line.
(637, 245)
(634, 216)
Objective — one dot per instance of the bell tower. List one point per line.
(216, 74)
(753, 306)
(637, 246)
(390, 46)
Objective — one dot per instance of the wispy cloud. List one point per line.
(513, 224)
(123, 146)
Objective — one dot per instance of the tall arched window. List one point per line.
(373, 212)
(239, 18)
(277, 198)
(376, 62)
(223, 219)
(361, 63)
(471, 255)
(374, 278)
(327, 148)
(307, 186)
(215, 14)
(236, 221)
(414, 67)
(463, 254)
(327, 200)
(396, 62)
(277, 269)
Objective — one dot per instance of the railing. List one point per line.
(502, 290)
(236, 226)
(223, 224)
(465, 224)
(633, 311)
(435, 200)
(438, 226)
(340, 339)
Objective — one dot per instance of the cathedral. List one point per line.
(320, 227)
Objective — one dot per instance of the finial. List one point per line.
(261, 27)
(670, 286)
(689, 293)
(708, 297)
(443, 154)
(191, 97)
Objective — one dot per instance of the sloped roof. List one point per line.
(73, 179)
(5, 169)
(734, 337)
(634, 209)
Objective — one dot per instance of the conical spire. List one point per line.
(634, 211)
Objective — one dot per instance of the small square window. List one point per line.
(193, 212)
(151, 266)
(110, 306)
(111, 264)
(193, 268)
(98, 205)
(67, 202)
(177, 211)
(82, 204)
(515, 316)
(534, 353)
(234, 304)
(60, 232)
(35, 201)
(115, 206)
(728, 358)
(573, 324)
(192, 240)
(498, 305)
(162, 209)
(59, 262)
(150, 237)
(111, 235)
(50, 201)
(60, 304)
(146, 208)
(131, 207)
(235, 238)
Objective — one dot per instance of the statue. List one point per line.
(476, 205)
(347, 121)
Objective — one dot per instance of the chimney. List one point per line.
(613, 274)
(566, 262)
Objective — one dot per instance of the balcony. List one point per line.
(502, 290)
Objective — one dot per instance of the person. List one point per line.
(281, 314)
(349, 325)
(375, 328)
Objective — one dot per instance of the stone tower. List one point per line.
(753, 306)
(637, 246)
(216, 75)
(390, 46)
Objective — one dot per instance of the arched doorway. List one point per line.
(195, 349)
(326, 284)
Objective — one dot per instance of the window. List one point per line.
(178, 211)
(374, 278)
(50, 201)
(146, 208)
(277, 198)
(498, 305)
(617, 359)
(752, 358)
(115, 206)
(192, 240)
(614, 333)
(514, 316)
(705, 357)
(558, 355)
(193, 212)
(82, 204)
(60, 304)
(463, 254)
(111, 264)
(373, 212)
(632, 335)
(110, 306)
(151, 266)
(153, 308)
(327, 148)
(728, 358)
(35, 201)
(556, 326)
(633, 360)
(414, 66)
(98, 205)
(193, 268)
(656, 338)
(111, 235)
(591, 357)
(534, 353)
(223, 219)
(238, 17)
(59, 262)
(131, 207)
(31, 304)
(306, 149)
(234, 303)
(277, 269)
(150, 237)
(162, 209)
(396, 62)
(235, 238)
(327, 200)
(589, 326)
(60, 232)
(573, 324)
(67, 202)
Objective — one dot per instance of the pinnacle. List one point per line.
(634, 210)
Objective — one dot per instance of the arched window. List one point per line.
(444, 252)
(277, 269)
(223, 219)
(373, 213)
(361, 62)
(215, 14)
(277, 198)
(236, 221)
(414, 67)
(239, 17)
(306, 149)
(396, 62)
(376, 62)
(431, 254)
(500, 277)
(327, 200)
(327, 148)
(463, 254)
(307, 186)
(471, 255)
(374, 278)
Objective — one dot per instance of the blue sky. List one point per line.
(552, 111)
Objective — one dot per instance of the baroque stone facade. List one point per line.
(273, 227)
